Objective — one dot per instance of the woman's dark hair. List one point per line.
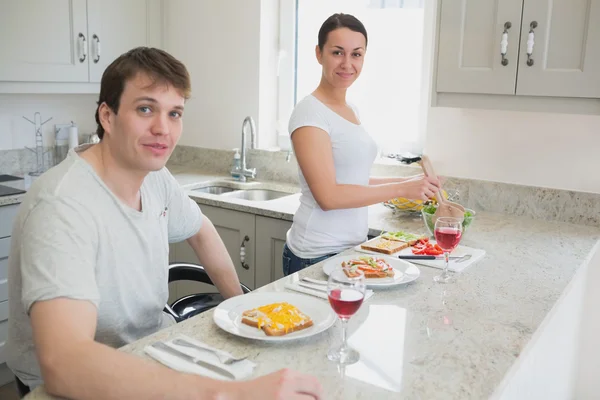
(337, 21)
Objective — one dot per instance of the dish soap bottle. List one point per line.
(237, 164)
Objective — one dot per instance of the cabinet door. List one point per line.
(270, 238)
(40, 41)
(183, 252)
(234, 227)
(115, 26)
(470, 35)
(566, 49)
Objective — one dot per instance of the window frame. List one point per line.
(287, 77)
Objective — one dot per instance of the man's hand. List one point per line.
(283, 384)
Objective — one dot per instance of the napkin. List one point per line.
(240, 370)
(318, 290)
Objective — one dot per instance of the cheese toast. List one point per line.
(277, 319)
(371, 267)
(381, 245)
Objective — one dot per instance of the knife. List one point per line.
(426, 257)
(219, 370)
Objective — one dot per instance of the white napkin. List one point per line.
(240, 370)
(316, 292)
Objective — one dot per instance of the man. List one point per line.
(88, 263)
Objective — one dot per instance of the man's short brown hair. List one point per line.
(157, 64)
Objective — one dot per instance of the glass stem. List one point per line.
(447, 258)
(344, 344)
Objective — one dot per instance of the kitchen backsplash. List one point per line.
(527, 201)
(21, 161)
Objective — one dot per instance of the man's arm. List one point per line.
(74, 366)
(213, 256)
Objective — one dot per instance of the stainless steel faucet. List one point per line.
(244, 172)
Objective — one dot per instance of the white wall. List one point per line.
(218, 40)
(534, 149)
(16, 133)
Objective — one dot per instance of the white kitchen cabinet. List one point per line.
(7, 216)
(262, 237)
(64, 46)
(114, 27)
(236, 229)
(183, 252)
(469, 59)
(270, 238)
(551, 54)
(40, 40)
(566, 49)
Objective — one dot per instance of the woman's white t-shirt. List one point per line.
(315, 232)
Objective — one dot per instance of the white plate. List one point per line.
(405, 271)
(228, 314)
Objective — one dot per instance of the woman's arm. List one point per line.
(376, 180)
(312, 147)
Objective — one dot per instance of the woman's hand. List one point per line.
(419, 187)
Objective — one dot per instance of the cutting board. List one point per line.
(476, 255)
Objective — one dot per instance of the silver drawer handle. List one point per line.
(82, 48)
(243, 253)
(97, 39)
(504, 43)
(531, 42)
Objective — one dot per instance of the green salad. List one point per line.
(431, 208)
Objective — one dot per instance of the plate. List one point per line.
(405, 271)
(228, 314)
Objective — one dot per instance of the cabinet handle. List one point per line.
(83, 47)
(243, 252)
(97, 39)
(531, 42)
(504, 43)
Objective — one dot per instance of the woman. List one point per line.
(335, 155)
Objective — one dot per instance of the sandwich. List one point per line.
(371, 267)
(385, 246)
(277, 319)
(405, 237)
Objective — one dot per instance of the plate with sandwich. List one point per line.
(274, 316)
(379, 270)
(390, 243)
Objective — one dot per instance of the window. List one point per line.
(388, 92)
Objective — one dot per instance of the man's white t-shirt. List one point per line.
(314, 232)
(74, 238)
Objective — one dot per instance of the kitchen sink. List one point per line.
(257, 194)
(214, 189)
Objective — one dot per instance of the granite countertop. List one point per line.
(433, 341)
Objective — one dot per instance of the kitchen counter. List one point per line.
(423, 340)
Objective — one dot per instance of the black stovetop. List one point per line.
(7, 191)
(7, 178)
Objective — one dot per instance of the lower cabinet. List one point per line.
(262, 240)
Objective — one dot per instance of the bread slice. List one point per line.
(381, 245)
(277, 319)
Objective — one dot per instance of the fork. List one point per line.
(223, 359)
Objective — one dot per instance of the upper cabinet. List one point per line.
(470, 35)
(536, 49)
(560, 42)
(114, 27)
(57, 42)
(43, 41)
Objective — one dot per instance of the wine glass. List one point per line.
(447, 233)
(346, 294)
